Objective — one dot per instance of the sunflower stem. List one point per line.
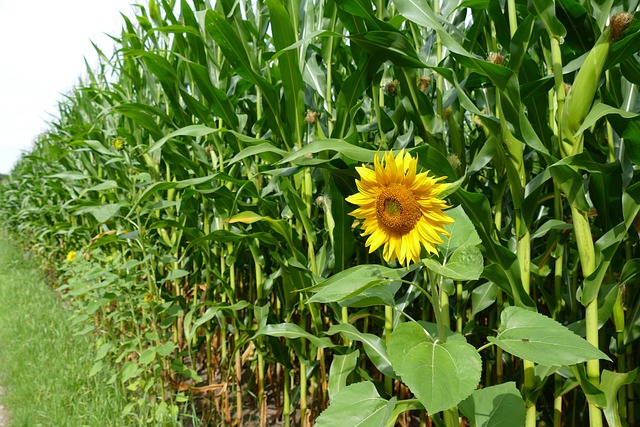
(345, 320)
(459, 307)
(437, 311)
(444, 305)
(451, 418)
(388, 328)
(435, 303)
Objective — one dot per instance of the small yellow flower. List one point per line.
(71, 256)
(118, 144)
(400, 208)
(148, 297)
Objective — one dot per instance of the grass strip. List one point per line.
(44, 366)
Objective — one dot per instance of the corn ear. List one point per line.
(580, 97)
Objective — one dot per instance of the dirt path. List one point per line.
(3, 414)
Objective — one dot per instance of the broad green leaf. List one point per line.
(392, 46)
(533, 336)
(103, 350)
(579, 24)
(610, 384)
(227, 236)
(552, 224)
(607, 245)
(144, 116)
(165, 349)
(420, 12)
(107, 185)
(147, 356)
(209, 314)
(600, 110)
(176, 274)
(382, 294)
(520, 42)
(401, 407)
(571, 184)
(193, 130)
(465, 264)
(435, 162)
(346, 149)
(265, 151)
(372, 410)
(299, 209)
(483, 296)
(495, 406)
(341, 367)
(97, 367)
(241, 57)
(461, 232)
(630, 270)
(546, 11)
(70, 176)
(593, 393)
(101, 213)
(293, 331)
(625, 48)
(219, 101)
(349, 282)
(343, 239)
(373, 345)
(292, 84)
(341, 290)
(440, 375)
(606, 300)
(350, 94)
(246, 217)
(129, 371)
(280, 226)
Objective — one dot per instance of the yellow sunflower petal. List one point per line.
(399, 208)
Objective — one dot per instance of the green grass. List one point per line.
(44, 367)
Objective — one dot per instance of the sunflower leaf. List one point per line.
(465, 264)
(440, 375)
(533, 336)
(373, 410)
(461, 232)
(495, 406)
(354, 281)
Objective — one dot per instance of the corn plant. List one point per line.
(379, 213)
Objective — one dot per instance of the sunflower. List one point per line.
(118, 144)
(400, 208)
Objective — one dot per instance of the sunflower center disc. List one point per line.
(397, 208)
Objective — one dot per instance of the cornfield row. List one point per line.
(189, 201)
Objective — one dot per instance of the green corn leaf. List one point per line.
(293, 331)
(546, 11)
(101, 213)
(283, 36)
(611, 383)
(390, 46)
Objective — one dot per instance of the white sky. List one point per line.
(43, 44)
